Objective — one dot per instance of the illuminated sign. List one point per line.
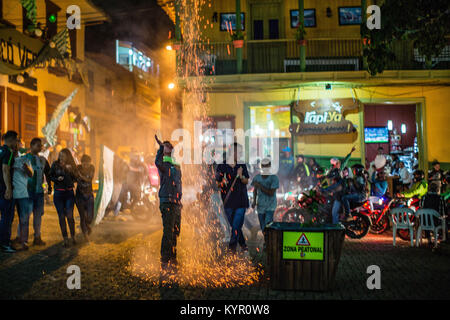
(128, 56)
(302, 245)
(322, 116)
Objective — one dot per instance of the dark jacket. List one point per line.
(84, 185)
(170, 189)
(238, 197)
(70, 176)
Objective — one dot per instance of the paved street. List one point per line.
(121, 262)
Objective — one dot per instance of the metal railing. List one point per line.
(282, 55)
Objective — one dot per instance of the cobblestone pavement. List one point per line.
(41, 272)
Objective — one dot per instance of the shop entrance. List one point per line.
(391, 130)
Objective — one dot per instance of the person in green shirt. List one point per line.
(340, 165)
(418, 189)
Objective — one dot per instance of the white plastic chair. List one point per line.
(401, 219)
(427, 223)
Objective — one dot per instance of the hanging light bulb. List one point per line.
(20, 79)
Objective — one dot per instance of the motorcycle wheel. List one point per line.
(359, 227)
(381, 226)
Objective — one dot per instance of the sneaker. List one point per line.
(8, 249)
(38, 242)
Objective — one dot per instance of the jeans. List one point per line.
(335, 211)
(7, 216)
(24, 208)
(38, 211)
(265, 218)
(353, 197)
(236, 219)
(85, 205)
(64, 201)
(171, 217)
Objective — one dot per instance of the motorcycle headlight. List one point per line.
(380, 201)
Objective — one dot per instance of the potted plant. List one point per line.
(304, 254)
(238, 39)
(300, 35)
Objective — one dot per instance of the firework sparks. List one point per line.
(202, 255)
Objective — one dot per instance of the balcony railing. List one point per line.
(282, 55)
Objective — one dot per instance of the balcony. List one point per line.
(282, 56)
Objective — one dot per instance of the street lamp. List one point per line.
(169, 47)
(171, 86)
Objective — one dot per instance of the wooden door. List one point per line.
(266, 22)
(29, 111)
(13, 99)
(22, 114)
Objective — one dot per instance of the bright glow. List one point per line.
(390, 125)
(271, 126)
(171, 85)
(169, 47)
(403, 128)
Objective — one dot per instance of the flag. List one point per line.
(62, 42)
(106, 184)
(30, 7)
(50, 128)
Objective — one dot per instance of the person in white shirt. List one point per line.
(22, 172)
(405, 176)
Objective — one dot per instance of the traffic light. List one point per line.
(52, 18)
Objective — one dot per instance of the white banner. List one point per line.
(106, 184)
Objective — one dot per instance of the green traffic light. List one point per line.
(52, 18)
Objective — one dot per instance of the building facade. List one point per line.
(334, 104)
(27, 105)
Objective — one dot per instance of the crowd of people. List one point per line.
(22, 179)
(342, 184)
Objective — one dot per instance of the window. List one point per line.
(51, 15)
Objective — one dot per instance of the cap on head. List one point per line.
(265, 162)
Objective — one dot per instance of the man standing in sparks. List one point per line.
(170, 192)
(232, 177)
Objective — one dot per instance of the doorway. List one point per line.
(266, 23)
(22, 114)
(391, 129)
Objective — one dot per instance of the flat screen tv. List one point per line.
(376, 135)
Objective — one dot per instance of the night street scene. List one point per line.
(224, 158)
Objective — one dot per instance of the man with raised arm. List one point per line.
(170, 192)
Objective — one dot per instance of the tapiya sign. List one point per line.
(302, 245)
(19, 52)
(323, 116)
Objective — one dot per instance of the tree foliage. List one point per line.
(424, 22)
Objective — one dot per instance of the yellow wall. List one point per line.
(12, 12)
(436, 104)
(325, 27)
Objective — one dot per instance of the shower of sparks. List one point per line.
(201, 252)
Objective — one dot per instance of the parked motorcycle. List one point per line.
(290, 210)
